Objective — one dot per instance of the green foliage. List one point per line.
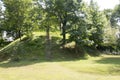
(17, 16)
(64, 11)
(84, 24)
(108, 13)
(96, 24)
(118, 44)
(115, 17)
(89, 30)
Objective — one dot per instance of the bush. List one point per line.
(3, 43)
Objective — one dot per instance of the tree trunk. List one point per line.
(48, 44)
(19, 34)
(64, 33)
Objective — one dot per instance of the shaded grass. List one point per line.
(115, 60)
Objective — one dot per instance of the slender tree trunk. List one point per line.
(64, 33)
(19, 34)
(48, 44)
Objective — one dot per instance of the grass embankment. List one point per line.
(8, 50)
(31, 48)
(31, 64)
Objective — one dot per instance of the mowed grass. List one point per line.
(98, 68)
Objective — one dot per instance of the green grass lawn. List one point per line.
(98, 68)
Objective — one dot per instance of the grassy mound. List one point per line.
(25, 48)
(33, 48)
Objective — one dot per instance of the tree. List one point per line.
(115, 23)
(62, 12)
(17, 17)
(115, 18)
(65, 11)
(48, 19)
(97, 22)
(79, 32)
(89, 28)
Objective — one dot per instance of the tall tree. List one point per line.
(48, 19)
(115, 23)
(65, 11)
(79, 32)
(97, 22)
(17, 15)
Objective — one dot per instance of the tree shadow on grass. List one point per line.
(113, 61)
(109, 60)
(18, 63)
(22, 63)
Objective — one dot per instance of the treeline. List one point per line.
(85, 24)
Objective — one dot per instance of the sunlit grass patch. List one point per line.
(98, 65)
